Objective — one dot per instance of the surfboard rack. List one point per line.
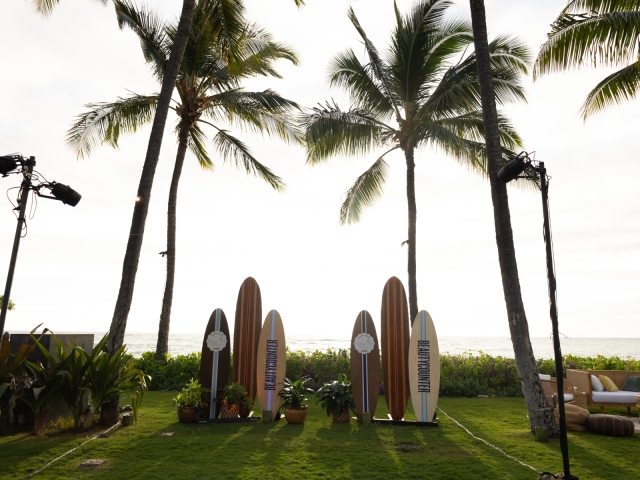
(404, 423)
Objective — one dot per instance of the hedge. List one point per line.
(463, 375)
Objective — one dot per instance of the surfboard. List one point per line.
(272, 365)
(424, 367)
(394, 326)
(365, 365)
(246, 333)
(215, 359)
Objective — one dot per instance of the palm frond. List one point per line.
(234, 150)
(264, 111)
(330, 131)
(590, 39)
(106, 121)
(260, 52)
(346, 71)
(618, 87)
(421, 47)
(365, 190)
(149, 28)
(225, 23)
(378, 67)
(459, 89)
(196, 142)
(45, 7)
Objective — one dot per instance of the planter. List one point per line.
(187, 415)
(344, 417)
(295, 415)
(229, 411)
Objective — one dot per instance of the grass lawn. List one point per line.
(320, 449)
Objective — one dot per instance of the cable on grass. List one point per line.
(493, 446)
(74, 449)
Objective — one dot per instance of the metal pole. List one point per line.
(22, 207)
(551, 277)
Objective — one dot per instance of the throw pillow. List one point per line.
(596, 385)
(631, 384)
(609, 386)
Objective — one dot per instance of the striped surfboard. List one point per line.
(424, 367)
(365, 365)
(272, 364)
(246, 334)
(215, 359)
(394, 326)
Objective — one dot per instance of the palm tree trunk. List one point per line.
(162, 346)
(141, 208)
(411, 263)
(537, 405)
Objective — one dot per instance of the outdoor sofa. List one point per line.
(582, 381)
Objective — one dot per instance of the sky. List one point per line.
(316, 273)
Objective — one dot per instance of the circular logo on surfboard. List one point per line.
(364, 343)
(216, 341)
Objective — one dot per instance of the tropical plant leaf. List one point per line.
(364, 191)
(155, 45)
(330, 131)
(45, 7)
(618, 87)
(106, 121)
(236, 151)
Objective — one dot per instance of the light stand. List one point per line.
(64, 193)
(533, 170)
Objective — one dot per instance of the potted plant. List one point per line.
(337, 399)
(189, 401)
(292, 395)
(234, 396)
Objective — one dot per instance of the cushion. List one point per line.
(614, 397)
(568, 397)
(576, 418)
(611, 425)
(631, 384)
(609, 386)
(544, 376)
(596, 385)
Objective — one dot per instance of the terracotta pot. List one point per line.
(229, 411)
(295, 415)
(187, 415)
(342, 418)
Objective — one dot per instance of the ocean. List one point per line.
(184, 343)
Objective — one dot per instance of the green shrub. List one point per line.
(171, 372)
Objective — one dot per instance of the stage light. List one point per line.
(7, 164)
(65, 194)
(512, 169)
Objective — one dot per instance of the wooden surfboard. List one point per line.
(272, 364)
(394, 325)
(215, 360)
(365, 365)
(246, 334)
(424, 367)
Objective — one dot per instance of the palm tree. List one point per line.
(208, 93)
(430, 88)
(596, 32)
(539, 414)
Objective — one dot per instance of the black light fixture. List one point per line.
(8, 163)
(64, 193)
(535, 170)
